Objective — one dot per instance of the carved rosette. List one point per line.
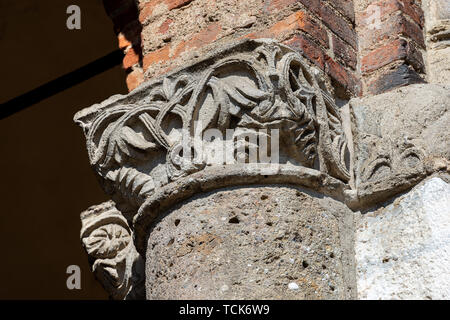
(107, 239)
(254, 86)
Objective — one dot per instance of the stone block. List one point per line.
(403, 249)
(399, 137)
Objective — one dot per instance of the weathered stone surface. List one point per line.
(261, 242)
(403, 249)
(437, 14)
(400, 137)
(439, 64)
(218, 177)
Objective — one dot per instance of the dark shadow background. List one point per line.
(46, 179)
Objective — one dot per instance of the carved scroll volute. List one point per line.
(107, 239)
(334, 146)
(305, 83)
(318, 119)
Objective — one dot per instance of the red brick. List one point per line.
(413, 10)
(344, 52)
(336, 71)
(343, 28)
(158, 56)
(134, 79)
(199, 40)
(164, 27)
(388, 7)
(311, 50)
(346, 79)
(345, 7)
(131, 58)
(147, 9)
(276, 5)
(391, 29)
(204, 37)
(384, 55)
(299, 20)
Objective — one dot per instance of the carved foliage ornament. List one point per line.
(253, 85)
(107, 239)
(133, 141)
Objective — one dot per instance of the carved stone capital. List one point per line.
(252, 87)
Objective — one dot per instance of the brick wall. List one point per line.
(391, 49)
(125, 17)
(177, 31)
(340, 37)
